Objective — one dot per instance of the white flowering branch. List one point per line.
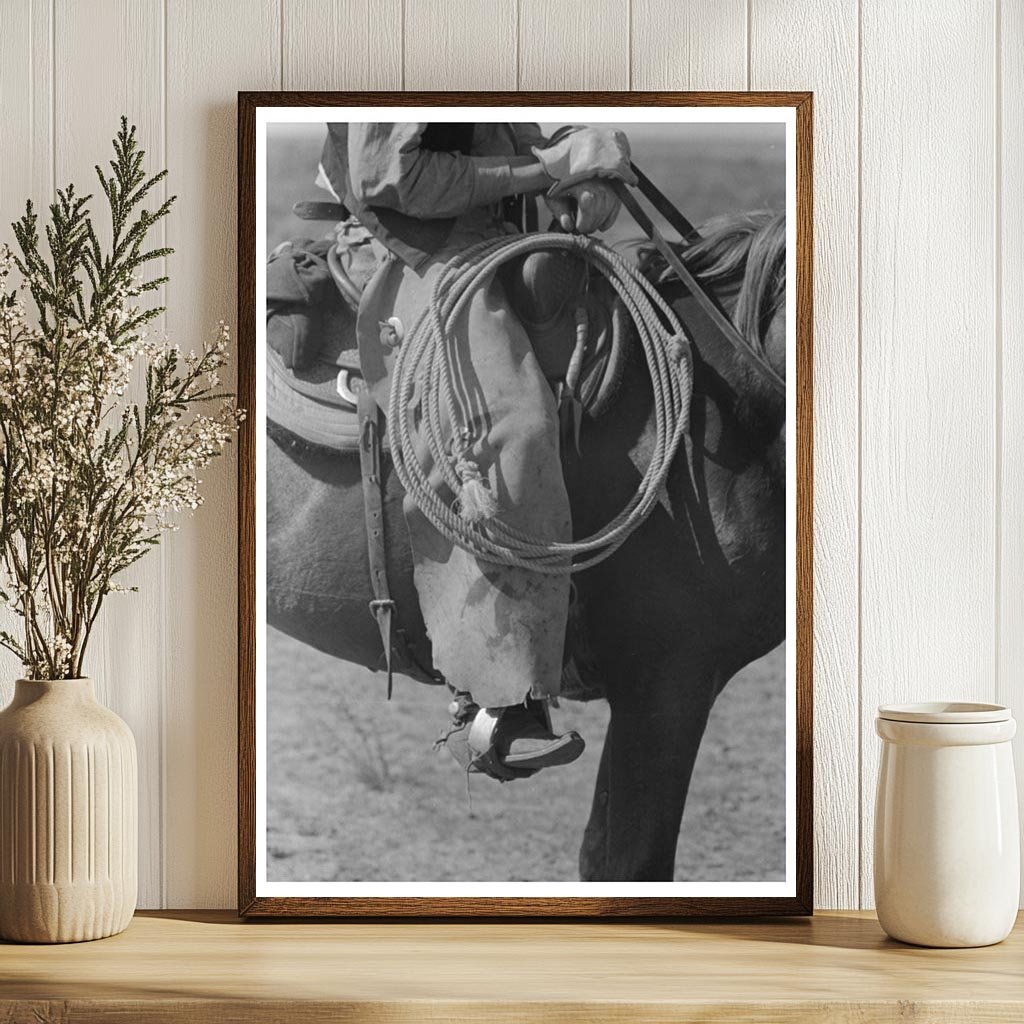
(89, 478)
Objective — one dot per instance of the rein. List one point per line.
(704, 298)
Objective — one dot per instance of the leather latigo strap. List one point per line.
(370, 462)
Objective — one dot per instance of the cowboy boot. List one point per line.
(507, 743)
(522, 737)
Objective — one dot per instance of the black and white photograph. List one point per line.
(525, 588)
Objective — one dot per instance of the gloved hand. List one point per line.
(586, 153)
(587, 207)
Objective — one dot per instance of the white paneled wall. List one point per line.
(919, 325)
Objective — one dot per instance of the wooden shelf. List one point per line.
(210, 967)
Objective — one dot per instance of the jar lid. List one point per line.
(945, 713)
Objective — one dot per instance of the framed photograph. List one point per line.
(525, 504)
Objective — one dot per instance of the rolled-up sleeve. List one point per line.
(387, 167)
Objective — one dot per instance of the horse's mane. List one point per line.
(747, 249)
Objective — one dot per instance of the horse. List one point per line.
(696, 593)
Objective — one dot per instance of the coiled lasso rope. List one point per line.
(429, 356)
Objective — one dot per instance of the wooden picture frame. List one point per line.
(251, 901)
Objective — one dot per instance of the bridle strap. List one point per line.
(665, 206)
(704, 298)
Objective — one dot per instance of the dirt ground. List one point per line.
(355, 792)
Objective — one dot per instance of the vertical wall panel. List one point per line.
(125, 655)
(26, 100)
(460, 44)
(26, 96)
(573, 44)
(700, 44)
(831, 72)
(1010, 256)
(213, 50)
(928, 515)
(346, 44)
(938, 614)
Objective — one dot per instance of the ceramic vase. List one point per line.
(947, 847)
(68, 815)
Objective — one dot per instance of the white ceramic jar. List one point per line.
(947, 847)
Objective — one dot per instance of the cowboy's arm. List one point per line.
(388, 167)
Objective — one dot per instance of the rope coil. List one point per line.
(429, 354)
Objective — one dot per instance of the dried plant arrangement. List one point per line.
(92, 472)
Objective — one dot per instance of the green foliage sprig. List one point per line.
(89, 477)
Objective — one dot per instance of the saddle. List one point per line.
(578, 327)
(313, 289)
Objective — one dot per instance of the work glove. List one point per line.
(584, 208)
(586, 153)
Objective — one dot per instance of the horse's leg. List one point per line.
(646, 765)
(594, 848)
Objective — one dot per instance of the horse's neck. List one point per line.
(733, 389)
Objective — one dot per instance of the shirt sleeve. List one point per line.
(387, 167)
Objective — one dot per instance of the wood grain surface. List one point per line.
(347, 44)
(228, 45)
(468, 45)
(832, 75)
(1009, 278)
(130, 34)
(26, 128)
(201, 967)
(573, 44)
(928, 513)
(701, 44)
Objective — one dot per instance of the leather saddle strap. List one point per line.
(370, 461)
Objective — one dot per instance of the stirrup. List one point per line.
(470, 740)
(482, 743)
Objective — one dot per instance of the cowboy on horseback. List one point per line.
(427, 193)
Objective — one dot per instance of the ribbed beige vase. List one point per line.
(68, 815)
